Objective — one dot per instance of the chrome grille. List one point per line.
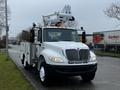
(84, 55)
(77, 56)
(72, 54)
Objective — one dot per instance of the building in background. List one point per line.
(107, 40)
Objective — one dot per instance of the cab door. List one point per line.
(39, 42)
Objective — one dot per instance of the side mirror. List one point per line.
(83, 37)
(40, 36)
(32, 35)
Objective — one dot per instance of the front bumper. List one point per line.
(71, 70)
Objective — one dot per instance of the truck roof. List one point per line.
(59, 27)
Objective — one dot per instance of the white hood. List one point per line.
(67, 45)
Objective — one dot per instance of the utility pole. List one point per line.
(7, 27)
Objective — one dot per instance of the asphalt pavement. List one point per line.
(107, 76)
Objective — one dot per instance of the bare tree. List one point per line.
(2, 15)
(113, 11)
(2, 42)
(24, 36)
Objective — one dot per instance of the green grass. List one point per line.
(10, 77)
(110, 54)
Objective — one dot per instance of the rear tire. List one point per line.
(23, 59)
(26, 66)
(88, 76)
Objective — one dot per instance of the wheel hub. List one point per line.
(42, 74)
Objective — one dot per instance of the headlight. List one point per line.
(92, 56)
(56, 59)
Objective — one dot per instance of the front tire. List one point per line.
(88, 76)
(43, 75)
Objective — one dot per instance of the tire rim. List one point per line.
(42, 74)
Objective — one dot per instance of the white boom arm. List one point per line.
(65, 17)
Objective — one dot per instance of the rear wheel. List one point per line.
(88, 76)
(23, 58)
(26, 65)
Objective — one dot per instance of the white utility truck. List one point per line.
(55, 49)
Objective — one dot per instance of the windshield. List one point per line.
(60, 34)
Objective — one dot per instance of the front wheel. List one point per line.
(43, 75)
(88, 76)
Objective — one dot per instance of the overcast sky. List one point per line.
(89, 13)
